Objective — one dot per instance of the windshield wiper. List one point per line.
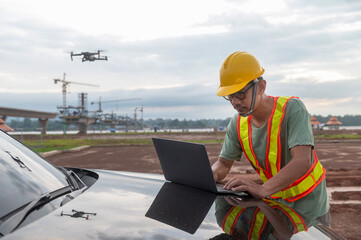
(73, 180)
(13, 222)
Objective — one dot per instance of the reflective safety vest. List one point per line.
(260, 220)
(302, 186)
(231, 218)
(297, 221)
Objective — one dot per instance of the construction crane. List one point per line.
(135, 117)
(110, 101)
(65, 83)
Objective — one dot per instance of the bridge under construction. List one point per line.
(43, 117)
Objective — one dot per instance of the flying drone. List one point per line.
(89, 56)
(78, 214)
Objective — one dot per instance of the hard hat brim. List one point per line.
(228, 90)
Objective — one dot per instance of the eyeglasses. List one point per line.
(241, 95)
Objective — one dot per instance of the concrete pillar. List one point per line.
(83, 127)
(43, 123)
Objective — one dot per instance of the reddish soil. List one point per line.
(341, 159)
(346, 195)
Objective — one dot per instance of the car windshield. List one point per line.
(24, 175)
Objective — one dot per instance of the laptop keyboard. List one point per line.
(220, 189)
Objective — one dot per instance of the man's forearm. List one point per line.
(221, 168)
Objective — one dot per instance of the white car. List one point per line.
(41, 201)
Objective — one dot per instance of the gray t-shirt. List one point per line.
(295, 130)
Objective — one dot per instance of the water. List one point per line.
(145, 130)
(350, 127)
(38, 132)
(70, 132)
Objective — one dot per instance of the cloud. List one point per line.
(329, 106)
(309, 49)
(309, 88)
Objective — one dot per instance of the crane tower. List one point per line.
(65, 83)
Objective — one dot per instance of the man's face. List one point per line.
(241, 100)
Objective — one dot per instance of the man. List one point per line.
(276, 137)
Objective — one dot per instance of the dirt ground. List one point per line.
(341, 159)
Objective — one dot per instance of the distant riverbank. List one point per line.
(148, 130)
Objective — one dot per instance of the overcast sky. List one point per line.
(168, 53)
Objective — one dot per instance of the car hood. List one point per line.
(134, 206)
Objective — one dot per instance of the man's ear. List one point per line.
(262, 87)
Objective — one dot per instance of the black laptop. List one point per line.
(188, 164)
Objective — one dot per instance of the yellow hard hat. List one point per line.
(237, 71)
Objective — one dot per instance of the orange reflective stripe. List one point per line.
(231, 218)
(305, 184)
(260, 220)
(258, 225)
(269, 127)
(273, 156)
(296, 220)
(279, 133)
(244, 127)
(299, 188)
